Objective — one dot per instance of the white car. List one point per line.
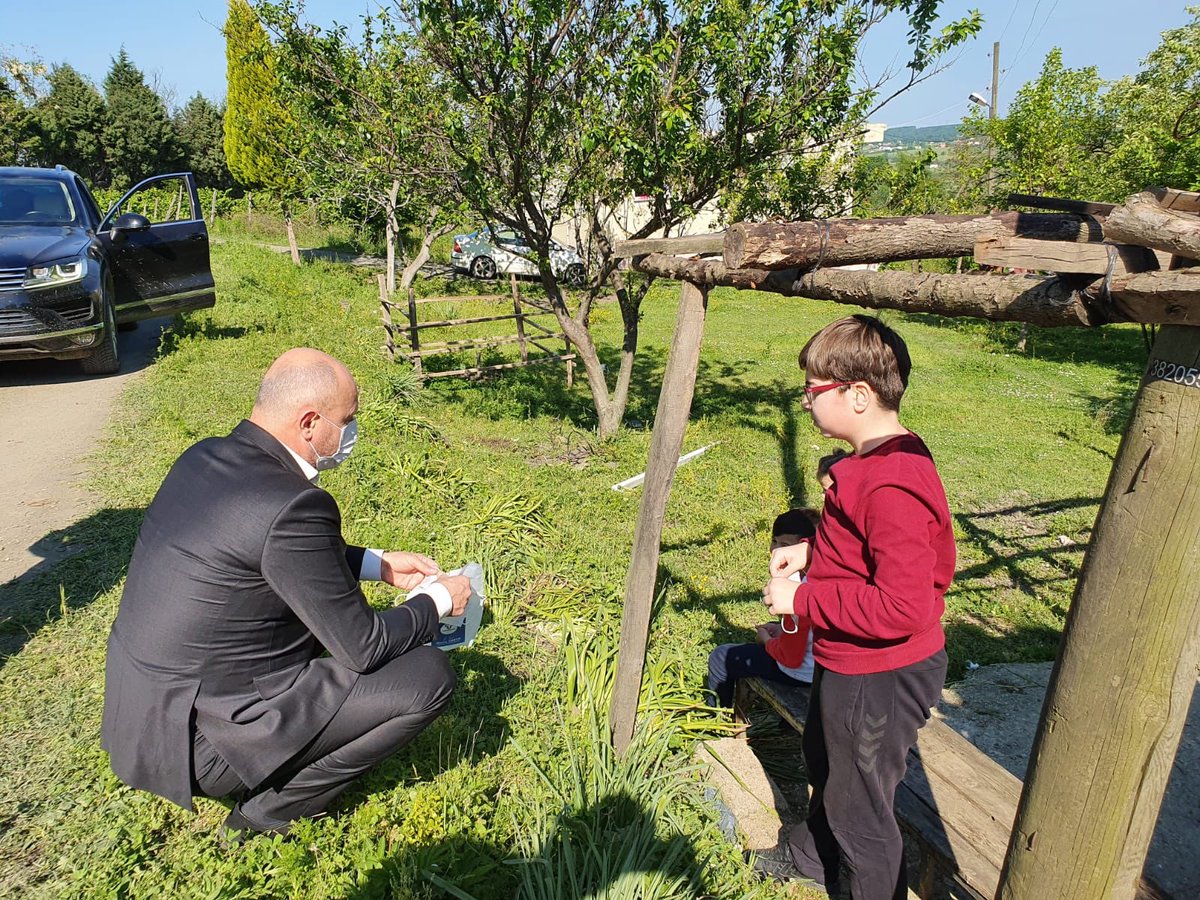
(486, 254)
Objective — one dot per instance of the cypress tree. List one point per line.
(262, 140)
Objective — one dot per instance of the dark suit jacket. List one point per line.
(239, 579)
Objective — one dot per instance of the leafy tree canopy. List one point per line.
(138, 138)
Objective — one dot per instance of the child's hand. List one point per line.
(779, 596)
(786, 560)
(767, 631)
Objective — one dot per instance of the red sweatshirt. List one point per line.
(881, 562)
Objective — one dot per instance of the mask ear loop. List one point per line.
(783, 624)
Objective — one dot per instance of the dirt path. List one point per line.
(53, 418)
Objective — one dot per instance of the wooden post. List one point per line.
(412, 330)
(516, 297)
(670, 422)
(389, 343)
(1127, 665)
(212, 215)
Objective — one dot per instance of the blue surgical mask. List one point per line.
(347, 436)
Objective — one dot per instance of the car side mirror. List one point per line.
(128, 222)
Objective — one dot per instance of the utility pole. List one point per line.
(995, 80)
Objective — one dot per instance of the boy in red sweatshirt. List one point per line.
(877, 572)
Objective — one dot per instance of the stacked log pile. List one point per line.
(1136, 262)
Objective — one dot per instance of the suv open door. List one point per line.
(157, 244)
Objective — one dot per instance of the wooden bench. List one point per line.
(956, 805)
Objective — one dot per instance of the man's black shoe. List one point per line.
(237, 829)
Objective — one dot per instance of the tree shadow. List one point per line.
(584, 852)
(79, 564)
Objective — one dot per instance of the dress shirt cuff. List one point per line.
(372, 566)
(435, 592)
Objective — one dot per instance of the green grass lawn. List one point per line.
(512, 792)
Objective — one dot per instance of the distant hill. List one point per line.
(913, 134)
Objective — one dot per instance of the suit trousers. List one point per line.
(385, 709)
(856, 741)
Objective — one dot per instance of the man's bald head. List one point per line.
(302, 379)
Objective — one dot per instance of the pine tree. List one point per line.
(200, 132)
(138, 139)
(20, 143)
(71, 120)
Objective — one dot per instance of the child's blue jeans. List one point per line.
(729, 662)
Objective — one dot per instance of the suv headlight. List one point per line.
(66, 271)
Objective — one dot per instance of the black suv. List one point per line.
(69, 275)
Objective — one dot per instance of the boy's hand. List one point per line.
(767, 631)
(779, 596)
(786, 560)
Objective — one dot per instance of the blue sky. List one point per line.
(179, 47)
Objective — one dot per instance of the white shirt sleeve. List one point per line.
(372, 566)
(437, 592)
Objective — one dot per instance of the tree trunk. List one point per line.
(1142, 221)
(291, 235)
(842, 242)
(1162, 297)
(670, 423)
(409, 275)
(1127, 665)
(392, 227)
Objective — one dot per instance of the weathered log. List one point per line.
(1126, 668)
(842, 242)
(1141, 220)
(1180, 201)
(1159, 297)
(689, 243)
(1064, 257)
(666, 440)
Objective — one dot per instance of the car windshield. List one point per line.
(35, 201)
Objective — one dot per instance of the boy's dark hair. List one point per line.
(799, 522)
(825, 463)
(860, 348)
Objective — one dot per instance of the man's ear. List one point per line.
(308, 421)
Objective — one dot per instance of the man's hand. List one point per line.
(786, 560)
(779, 596)
(459, 587)
(767, 631)
(406, 570)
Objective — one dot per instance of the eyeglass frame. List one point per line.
(813, 391)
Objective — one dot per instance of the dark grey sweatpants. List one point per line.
(385, 710)
(856, 740)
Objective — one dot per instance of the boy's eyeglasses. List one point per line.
(811, 391)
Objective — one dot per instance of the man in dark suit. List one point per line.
(216, 682)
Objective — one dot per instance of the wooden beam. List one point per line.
(1157, 297)
(1141, 220)
(843, 242)
(670, 423)
(687, 244)
(1127, 664)
(565, 357)
(1082, 207)
(1063, 257)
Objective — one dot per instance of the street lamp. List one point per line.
(977, 98)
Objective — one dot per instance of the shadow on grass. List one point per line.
(79, 563)
(583, 853)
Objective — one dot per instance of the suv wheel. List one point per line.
(483, 267)
(104, 360)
